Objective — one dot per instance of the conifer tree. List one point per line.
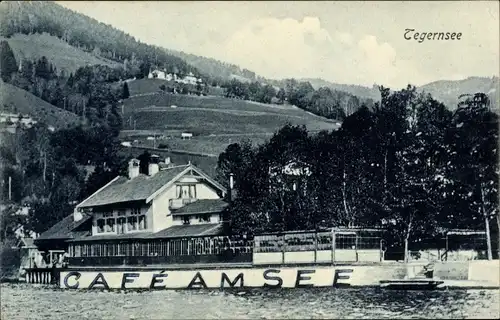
(8, 64)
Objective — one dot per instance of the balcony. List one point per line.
(179, 203)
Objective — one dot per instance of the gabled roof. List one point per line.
(196, 230)
(141, 188)
(63, 230)
(26, 243)
(180, 231)
(202, 206)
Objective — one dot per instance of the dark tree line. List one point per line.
(254, 91)
(324, 102)
(409, 165)
(93, 92)
(49, 172)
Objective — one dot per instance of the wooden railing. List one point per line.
(42, 275)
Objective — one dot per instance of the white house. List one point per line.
(170, 201)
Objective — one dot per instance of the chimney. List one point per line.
(133, 168)
(153, 169)
(77, 215)
(154, 166)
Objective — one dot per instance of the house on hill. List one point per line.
(152, 218)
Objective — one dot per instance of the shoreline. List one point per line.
(453, 275)
(448, 285)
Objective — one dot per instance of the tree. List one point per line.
(8, 64)
(125, 92)
(10, 221)
(281, 95)
(474, 168)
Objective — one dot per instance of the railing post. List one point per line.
(315, 246)
(446, 252)
(333, 246)
(356, 245)
(283, 249)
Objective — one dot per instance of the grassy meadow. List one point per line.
(15, 99)
(215, 121)
(58, 52)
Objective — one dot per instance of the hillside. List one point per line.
(446, 91)
(18, 100)
(214, 121)
(215, 68)
(85, 34)
(216, 114)
(59, 53)
(357, 90)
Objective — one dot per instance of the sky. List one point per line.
(345, 42)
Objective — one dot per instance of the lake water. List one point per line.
(22, 301)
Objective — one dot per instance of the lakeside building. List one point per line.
(164, 216)
(177, 214)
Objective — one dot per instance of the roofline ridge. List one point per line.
(177, 166)
(99, 190)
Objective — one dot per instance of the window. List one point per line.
(132, 223)
(121, 222)
(110, 225)
(204, 218)
(185, 220)
(187, 191)
(100, 225)
(142, 222)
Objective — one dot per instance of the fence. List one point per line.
(456, 246)
(161, 251)
(341, 245)
(461, 245)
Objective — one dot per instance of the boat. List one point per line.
(423, 280)
(412, 284)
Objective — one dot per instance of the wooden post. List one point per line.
(283, 245)
(333, 246)
(356, 245)
(10, 188)
(315, 246)
(446, 252)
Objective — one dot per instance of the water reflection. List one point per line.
(28, 302)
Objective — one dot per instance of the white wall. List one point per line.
(162, 217)
(161, 214)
